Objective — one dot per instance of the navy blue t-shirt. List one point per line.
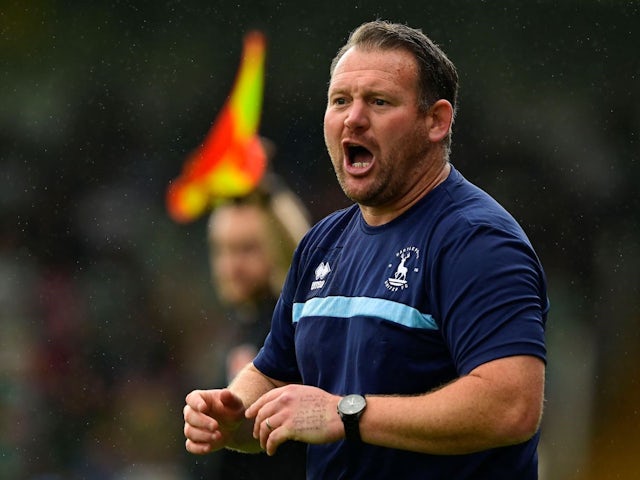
(404, 308)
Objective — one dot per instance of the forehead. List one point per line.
(395, 66)
(237, 220)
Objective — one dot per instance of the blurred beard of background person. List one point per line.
(251, 242)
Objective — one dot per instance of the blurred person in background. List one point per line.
(251, 242)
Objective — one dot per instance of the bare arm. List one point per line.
(497, 404)
(250, 384)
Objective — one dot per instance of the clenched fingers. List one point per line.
(197, 419)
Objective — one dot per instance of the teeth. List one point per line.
(361, 164)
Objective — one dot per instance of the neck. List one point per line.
(380, 215)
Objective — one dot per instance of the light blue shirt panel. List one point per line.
(346, 307)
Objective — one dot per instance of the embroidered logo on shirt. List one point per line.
(321, 272)
(398, 279)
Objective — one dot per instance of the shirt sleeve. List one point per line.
(491, 297)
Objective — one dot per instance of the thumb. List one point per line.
(230, 400)
(199, 400)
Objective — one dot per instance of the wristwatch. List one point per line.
(350, 409)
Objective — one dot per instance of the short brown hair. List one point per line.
(438, 77)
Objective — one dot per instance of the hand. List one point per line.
(295, 412)
(211, 417)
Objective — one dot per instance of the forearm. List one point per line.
(471, 414)
(250, 384)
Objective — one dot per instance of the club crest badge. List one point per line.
(405, 262)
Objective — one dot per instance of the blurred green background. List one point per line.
(107, 317)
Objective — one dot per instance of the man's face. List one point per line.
(241, 260)
(374, 132)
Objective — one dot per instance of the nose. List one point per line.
(357, 118)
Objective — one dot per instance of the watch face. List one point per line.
(352, 404)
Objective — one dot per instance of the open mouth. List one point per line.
(358, 156)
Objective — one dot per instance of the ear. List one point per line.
(439, 120)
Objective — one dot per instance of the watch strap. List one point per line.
(352, 428)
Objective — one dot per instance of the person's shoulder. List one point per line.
(471, 210)
(333, 224)
(475, 206)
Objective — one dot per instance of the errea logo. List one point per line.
(321, 273)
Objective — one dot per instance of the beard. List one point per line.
(379, 191)
(395, 173)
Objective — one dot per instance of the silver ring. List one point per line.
(268, 424)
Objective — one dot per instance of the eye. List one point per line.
(339, 101)
(379, 102)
